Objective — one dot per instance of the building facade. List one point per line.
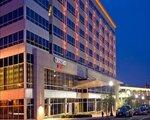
(56, 57)
(137, 95)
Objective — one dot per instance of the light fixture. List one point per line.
(111, 83)
(143, 97)
(136, 96)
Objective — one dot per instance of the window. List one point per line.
(81, 4)
(81, 60)
(97, 34)
(90, 52)
(70, 24)
(97, 45)
(12, 109)
(97, 23)
(61, 1)
(90, 15)
(90, 40)
(3, 2)
(70, 8)
(81, 18)
(37, 40)
(70, 40)
(43, 3)
(11, 17)
(70, 55)
(90, 27)
(90, 64)
(97, 57)
(82, 48)
(11, 72)
(58, 14)
(97, 67)
(58, 32)
(37, 19)
(81, 33)
(11, 39)
(58, 50)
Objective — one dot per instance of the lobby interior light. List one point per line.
(40, 111)
(143, 97)
(129, 92)
(136, 96)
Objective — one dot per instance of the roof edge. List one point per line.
(112, 23)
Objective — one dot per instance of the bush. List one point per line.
(77, 116)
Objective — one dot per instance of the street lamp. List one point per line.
(111, 85)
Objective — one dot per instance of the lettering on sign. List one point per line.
(60, 61)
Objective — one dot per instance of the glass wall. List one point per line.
(59, 81)
(11, 72)
(12, 109)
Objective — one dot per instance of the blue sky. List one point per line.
(133, 39)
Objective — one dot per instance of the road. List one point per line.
(130, 118)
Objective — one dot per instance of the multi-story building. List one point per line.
(56, 57)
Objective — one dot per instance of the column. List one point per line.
(95, 105)
(49, 107)
(66, 106)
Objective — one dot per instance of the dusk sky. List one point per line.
(132, 18)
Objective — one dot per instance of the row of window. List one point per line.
(59, 15)
(71, 9)
(11, 40)
(97, 11)
(71, 56)
(12, 72)
(71, 40)
(37, 19)
(11, 17)
(43, 3)
(12, 109)
(11, 60)
(37, 40)
(3, 2)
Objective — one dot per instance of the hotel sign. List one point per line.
(60, 61)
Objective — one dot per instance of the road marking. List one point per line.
(146, 118)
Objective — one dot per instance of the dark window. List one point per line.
(81, 18)
(70, 8)
(90, 52)
(81, 33)
(70, 24)
(58, 14)
(11, 17)
(58, 32)
(90, 27)
(82, 48)
(43, 3)
(70, 40)
(90, 15)
(37, 19)
(81, 4)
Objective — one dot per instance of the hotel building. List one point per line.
(56, 57)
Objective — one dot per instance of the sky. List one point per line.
(132, 18)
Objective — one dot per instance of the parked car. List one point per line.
(137, 111)
(124, 111)
(147, 107)
(142, 110)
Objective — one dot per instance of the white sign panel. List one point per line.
(60, 61)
